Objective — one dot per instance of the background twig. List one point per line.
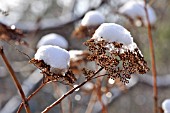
(155, 91)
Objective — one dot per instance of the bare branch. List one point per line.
(16, 82)
(69, 92)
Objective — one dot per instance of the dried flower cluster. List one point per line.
(66, 78)
(117, 59)
(8, 34)
(87, 72)
(84, 31)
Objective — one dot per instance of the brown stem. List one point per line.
(16, 82)
(92, 102)
(70, 92)
(98, 92)
(31, 95)
(99, 95)
(155, 91)
(58, 92)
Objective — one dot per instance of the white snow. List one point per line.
(53, 39)
(92, 18)
(166, 106)
(74, 53)
(135, 9)
(54, 56)
(114, 33)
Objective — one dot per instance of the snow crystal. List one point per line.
(166, 106)
(54, 56)
(114, 33)
(92, 18)
(135, 9)
(53, 39)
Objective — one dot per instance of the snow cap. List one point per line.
(114, 33)
(92, 18)
(135, 9)
(166, 106)
(53, 39)
(54, 56)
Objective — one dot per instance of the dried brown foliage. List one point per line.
(66, 78)
(84, 31)
(118, 64)
(87, 72)
(8, 34)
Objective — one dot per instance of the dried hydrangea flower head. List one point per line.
(53, 61)
(166, 106)
(8, 33)
(112, 48)
(53, 39)
(89, 24)
(136, 12)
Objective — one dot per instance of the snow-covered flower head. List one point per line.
(53, 62)
(53, 39)
(54, 56)
(89, 24)
(135, 10)
(112, 48)
(166, 106)
(114, 33)
(92, 18)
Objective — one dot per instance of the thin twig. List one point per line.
(92, 102)
(155, 91)
(16, 82)
(31, 95)
(99, 95)
(58, 92)
(98, 92)
(69, 92)
(99, 76)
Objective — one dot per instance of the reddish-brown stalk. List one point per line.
(92, 101)
(155, 91)
(16, 82)
(99, 95)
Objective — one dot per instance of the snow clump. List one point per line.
(135, 10)
(92, 18)
(166, 106)
(114, 33)
(54, 56)
(53, 39)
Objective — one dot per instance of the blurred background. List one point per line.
(37, 18)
